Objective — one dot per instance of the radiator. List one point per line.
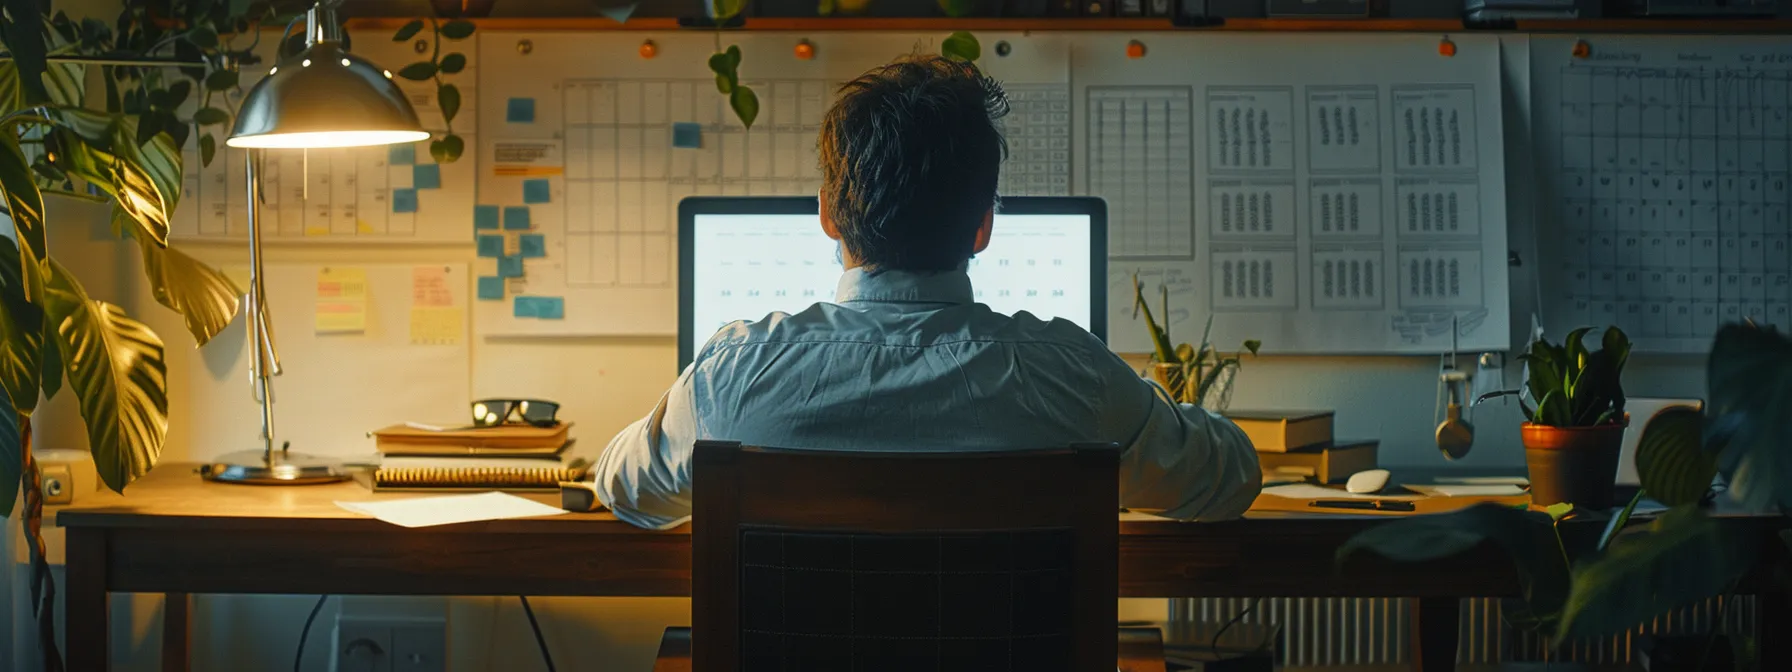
(1320, 633)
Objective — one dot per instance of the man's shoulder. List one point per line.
(835, 323)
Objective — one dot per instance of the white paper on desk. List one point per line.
(1467, 490)
(1309, 491)
(447, 509)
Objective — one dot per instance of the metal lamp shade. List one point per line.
(325, 97)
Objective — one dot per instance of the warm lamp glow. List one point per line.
(326, 139)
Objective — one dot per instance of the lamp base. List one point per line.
(252, 467)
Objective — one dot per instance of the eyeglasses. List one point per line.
(494, 412)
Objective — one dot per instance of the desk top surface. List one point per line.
(173, 494)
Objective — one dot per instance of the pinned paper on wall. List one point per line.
(536, 191)
(402, 155)
(532, 245)
(341, 300)
(429, 287)
(516, 218)
(520, 111)
(491, 246)
(491, 288)
(510, 266)
(485, 217)
(404, 200)
(437, 325)
(686, 135)
(426, 176)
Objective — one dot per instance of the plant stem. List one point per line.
(43, 587)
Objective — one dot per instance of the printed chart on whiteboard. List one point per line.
(587, 149)
(1666, 175)
(1362, 215)
(395, 194)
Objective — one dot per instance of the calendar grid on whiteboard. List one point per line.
(1141, 157)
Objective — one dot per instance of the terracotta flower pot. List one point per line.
(1577, 465)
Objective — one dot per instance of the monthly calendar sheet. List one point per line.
(1351, 203)
(1664, 165)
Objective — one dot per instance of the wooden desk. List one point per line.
(178, 535)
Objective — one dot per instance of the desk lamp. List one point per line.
(322, 97)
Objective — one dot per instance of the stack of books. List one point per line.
(1300, 443)
(525, 458)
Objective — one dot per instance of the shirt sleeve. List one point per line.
(644, 475)
(1184, 460)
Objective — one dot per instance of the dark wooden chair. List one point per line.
(834, 560)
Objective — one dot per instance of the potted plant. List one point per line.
(1574, 587)
(1199, 376)
(1573, 433)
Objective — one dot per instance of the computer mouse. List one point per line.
(1367, 482)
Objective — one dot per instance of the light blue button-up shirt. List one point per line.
(907, 361)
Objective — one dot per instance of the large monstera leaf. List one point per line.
(1750, 379)
(25, 204)
(21, 327)
(205, 298)
(143, 179)
(114, 365)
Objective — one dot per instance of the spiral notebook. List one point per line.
(464, 474)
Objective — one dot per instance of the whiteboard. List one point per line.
(1663, 172)
(335, 387)
(586, 149)
(395, 194)
(1353, 203)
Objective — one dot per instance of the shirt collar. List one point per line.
(860, 284)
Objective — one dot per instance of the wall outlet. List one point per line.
(390, 645)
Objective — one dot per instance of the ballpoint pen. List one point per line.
(1370, 504)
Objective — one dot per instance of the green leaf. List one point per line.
(961, 46)
(448, 149)
(1618, 344)
(408, 31)
(203, 297)
(1597, 390)
(52, 362)
(115, 367)
(204, 38)
(22, 327)
(12, 457)
(1749, 375)
(145, 180)
(1527, 537)
(210, 116)
(448, 97)
(22, 30)
(208, 147)
(25, 203)
(1559, 510)
(418, 72)
(745, 104)
(1671, 459)
(458, 29)
(453, 63)
(957, 8)
(1544, 376)
(1577, 352)
(723, 10)
(725, 69)
(221, 80)
(1617, 523)
(1685, 557)
(1553, 410)
(1253, 345)
(173, 96)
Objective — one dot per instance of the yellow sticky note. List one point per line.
(436, 325)
(341, 300)
(429, 287)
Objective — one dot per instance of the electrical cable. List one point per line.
(546, 658)
(298, 655)
(1214, 645)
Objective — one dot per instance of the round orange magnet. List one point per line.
(1582, 49)
(1135, 49)
(805, 50)
(649, 49)
(1446, 48)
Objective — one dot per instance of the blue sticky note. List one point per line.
(510, 266)
(550, 308)
(523, 306)
(491, 288)
(402, 154)
(536, 191)
(404, 200)
(686, 135)
(491, 246)
(485, 217)
(516, 218)
(520, 111)
(532, 245)
(426, 176)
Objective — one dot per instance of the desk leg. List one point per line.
(1435, 627)
(177, 632)
(88, 624)
(1773, 614)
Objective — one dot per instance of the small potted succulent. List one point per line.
(1199, 376)
(1573, 433)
